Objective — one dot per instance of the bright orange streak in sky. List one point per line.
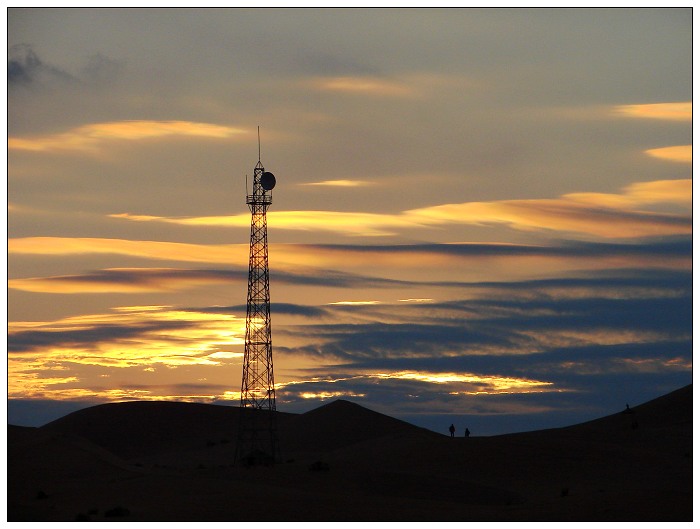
(601, 214)
(89, 137)
(682, 111)
(677, 153)
(234, 254)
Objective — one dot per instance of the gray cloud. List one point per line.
(290, 309)
(92, 336)
(570, 335)
(24, 67)
(640, 247)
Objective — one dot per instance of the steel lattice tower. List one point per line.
(257, 440)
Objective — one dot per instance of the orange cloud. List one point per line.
(348, 223)
(90, 137)
(339, 183)
(681, 111)
(678, 192)
(126, 337)
(354, 303)
(235, 254)
(676, 153)
(605, 215)
(373, 86)
(561, 215)
(123, 281)
(481, 384)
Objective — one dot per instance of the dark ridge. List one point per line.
(172, 461)
(131, 429)
(343, 423)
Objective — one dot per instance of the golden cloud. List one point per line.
(562, 215)
(127, 337)
(90, 137)
(680, 111)
(676, 153)
(354, 303)
(348, 223)
(235, 254)
(478, 383)
(361, 85)
(600, 214)
(678, 192)
(339, 183)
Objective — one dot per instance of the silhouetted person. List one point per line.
(452, 430)
(466, 432)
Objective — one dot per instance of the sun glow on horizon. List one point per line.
(127, 338)
(481, 384)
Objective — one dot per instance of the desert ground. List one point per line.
(166, 461)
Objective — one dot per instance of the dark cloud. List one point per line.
(596, 341)
(380, 340)
(290, 309)
(573, 397)
(24, 67)
(166, 278)
(25, 341)
(650, 247)
(100, 69)
(619, 278)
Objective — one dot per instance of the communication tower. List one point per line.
(257, 438)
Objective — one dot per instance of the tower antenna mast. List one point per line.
(257, 434)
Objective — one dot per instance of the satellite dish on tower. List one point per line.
(268, 181)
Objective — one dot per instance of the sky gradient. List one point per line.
(482, 216)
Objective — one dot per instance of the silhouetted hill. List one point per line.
(162, 461)
(133, 429)
(340, 424)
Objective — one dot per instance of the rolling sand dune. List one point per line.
(173, 461)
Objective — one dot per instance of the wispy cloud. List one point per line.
(24, 67)
(94, 136)
(362, 85)
(323, 265)
(340, 183)
(143, 280)
(677, 111)
(678, 192)
(347, 223)
(236, 254)
(355, 303)
(676, 153)
(606, 215)
(127, 280)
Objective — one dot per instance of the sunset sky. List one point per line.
(482, 216)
